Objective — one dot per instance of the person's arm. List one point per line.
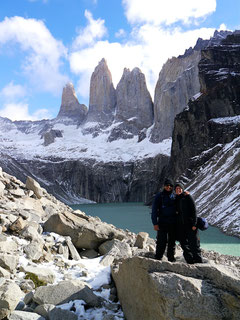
(155, 208)
(193, 212)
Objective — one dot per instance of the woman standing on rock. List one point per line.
(186, 225)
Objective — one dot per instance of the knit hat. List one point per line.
(168, 182)
(179, 184)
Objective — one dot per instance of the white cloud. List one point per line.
(167, 12)
(94, 30)
(121, 33)
(43, 52)
(20, 111)
(223, 27)
(13, 91)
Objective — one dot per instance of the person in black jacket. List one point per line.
(164, 221)
(186, 225)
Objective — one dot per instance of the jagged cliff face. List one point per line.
(73, 181)
(178, 82)
(70, 107)
(102, 99)
(198, 128)
(133, 99)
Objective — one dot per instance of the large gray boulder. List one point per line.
(149, 289)
(102, 100)
(64, 292)
(9, 261)
(114, 249)
(34, 250)
(2, 187)
(10, 295)
(43, 274)
(86, 233)
(57, 313)
(7, 246)
(33, 185)
(23, 315)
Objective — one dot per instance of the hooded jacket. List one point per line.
(163, 208)
(186, 210)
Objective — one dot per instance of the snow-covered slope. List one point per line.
(216, 188)
(74, 145)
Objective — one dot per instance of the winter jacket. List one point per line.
(186, 210)
(163, 208)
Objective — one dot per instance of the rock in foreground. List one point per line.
(152, 290)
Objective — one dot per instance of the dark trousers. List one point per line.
(190, 244)
(166, 237)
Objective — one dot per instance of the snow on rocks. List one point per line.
(35, 270)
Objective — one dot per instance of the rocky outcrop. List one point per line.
(102, 100)
(177, 83)
(134, 109)
(199, 128)
(49, 136)
(152, 290)
(64, 292)
(85, 233)
(70, 107)
(41, 283)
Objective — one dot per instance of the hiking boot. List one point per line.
(172, 259)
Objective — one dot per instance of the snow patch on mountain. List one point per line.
(74, 145)
(227, 120)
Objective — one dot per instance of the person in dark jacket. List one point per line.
(164, 221)
(186, 225)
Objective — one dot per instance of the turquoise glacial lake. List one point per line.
(136, 218)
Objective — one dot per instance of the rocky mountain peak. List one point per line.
(133, 98)
(70, 107)
(102, 99)
(134, 104)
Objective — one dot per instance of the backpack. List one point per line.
(202, 223)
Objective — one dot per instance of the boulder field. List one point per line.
(44, 246)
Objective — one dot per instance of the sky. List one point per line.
(46, 43)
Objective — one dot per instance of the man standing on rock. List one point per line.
(164, 221)
(186, 225)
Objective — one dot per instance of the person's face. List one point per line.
(168, 187)
(178, 190)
